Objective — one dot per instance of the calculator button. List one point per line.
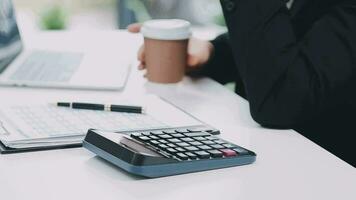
(228, 152)
(154, 142)
(162, 146)
(191, 148)
(136, 135)
(196, 134)
(169, 131)
(180, 149)
(146, 133)
(212, 138)
(182, 131)
(229, 145)
(191, 155)
(171, 145)
(219, 142)
(154, 137)
(208, 142)
(171, 150)
(240, 150)
(157, 133)
(163, 141)
(196, 143)
(144, 138)
(183, 144)
(182, 156)
(165, 136)
(199, 138)
(202, 154)
(217, 146)
(204, 147)
(174, 140)
(215, 153)
(213, 132)
(187, 139)
(194, 130)
(177, 135)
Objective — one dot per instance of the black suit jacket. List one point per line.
(297, 67)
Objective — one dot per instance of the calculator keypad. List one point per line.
(189, 144)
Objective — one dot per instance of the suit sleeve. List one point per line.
(221, 66)
(289, 80)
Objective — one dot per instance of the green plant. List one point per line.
(54, 18)
(219, 20)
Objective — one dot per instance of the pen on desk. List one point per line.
(104, 107)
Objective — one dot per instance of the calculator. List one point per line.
(166, 152)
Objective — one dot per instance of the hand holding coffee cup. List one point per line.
(197, 54)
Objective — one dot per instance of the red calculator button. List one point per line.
(228, 152)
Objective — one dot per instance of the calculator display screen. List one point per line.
(10, 40)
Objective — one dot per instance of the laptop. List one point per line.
(56, 68)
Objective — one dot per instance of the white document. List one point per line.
(36, 125)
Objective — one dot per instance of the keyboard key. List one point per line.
(196, 134)
(186, 139)
(171, 145)
(157, 133)
(191, 148)
(196, 143)
(182, 156)
(180, 149)
(209, 142)
(215, 153)
(177, 135)
(165, 136)
(228, 152)
(174, 140)
(191, 155)
(200, 138)
(183, 144)
(217, 146)
(204, 147)
(182, 130)
(202, 154)
(240, 150)
(163, 141)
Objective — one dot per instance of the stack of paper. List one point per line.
(25, 126)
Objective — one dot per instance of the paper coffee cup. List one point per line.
(166, 45)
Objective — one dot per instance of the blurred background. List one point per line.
(113, 14)
(34, 15)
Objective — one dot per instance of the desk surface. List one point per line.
(288, 165)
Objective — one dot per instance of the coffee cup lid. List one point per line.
(166, 29)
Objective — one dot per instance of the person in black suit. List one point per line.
(296, 67)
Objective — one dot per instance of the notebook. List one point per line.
(46, 125)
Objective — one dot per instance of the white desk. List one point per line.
(288, 166)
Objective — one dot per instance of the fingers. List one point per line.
(134, 28)
(193, 61)
(141, 58)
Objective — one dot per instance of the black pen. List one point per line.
(104, 107)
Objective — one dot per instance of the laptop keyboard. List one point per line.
(48, 66)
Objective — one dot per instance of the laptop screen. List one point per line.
(10, 40)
